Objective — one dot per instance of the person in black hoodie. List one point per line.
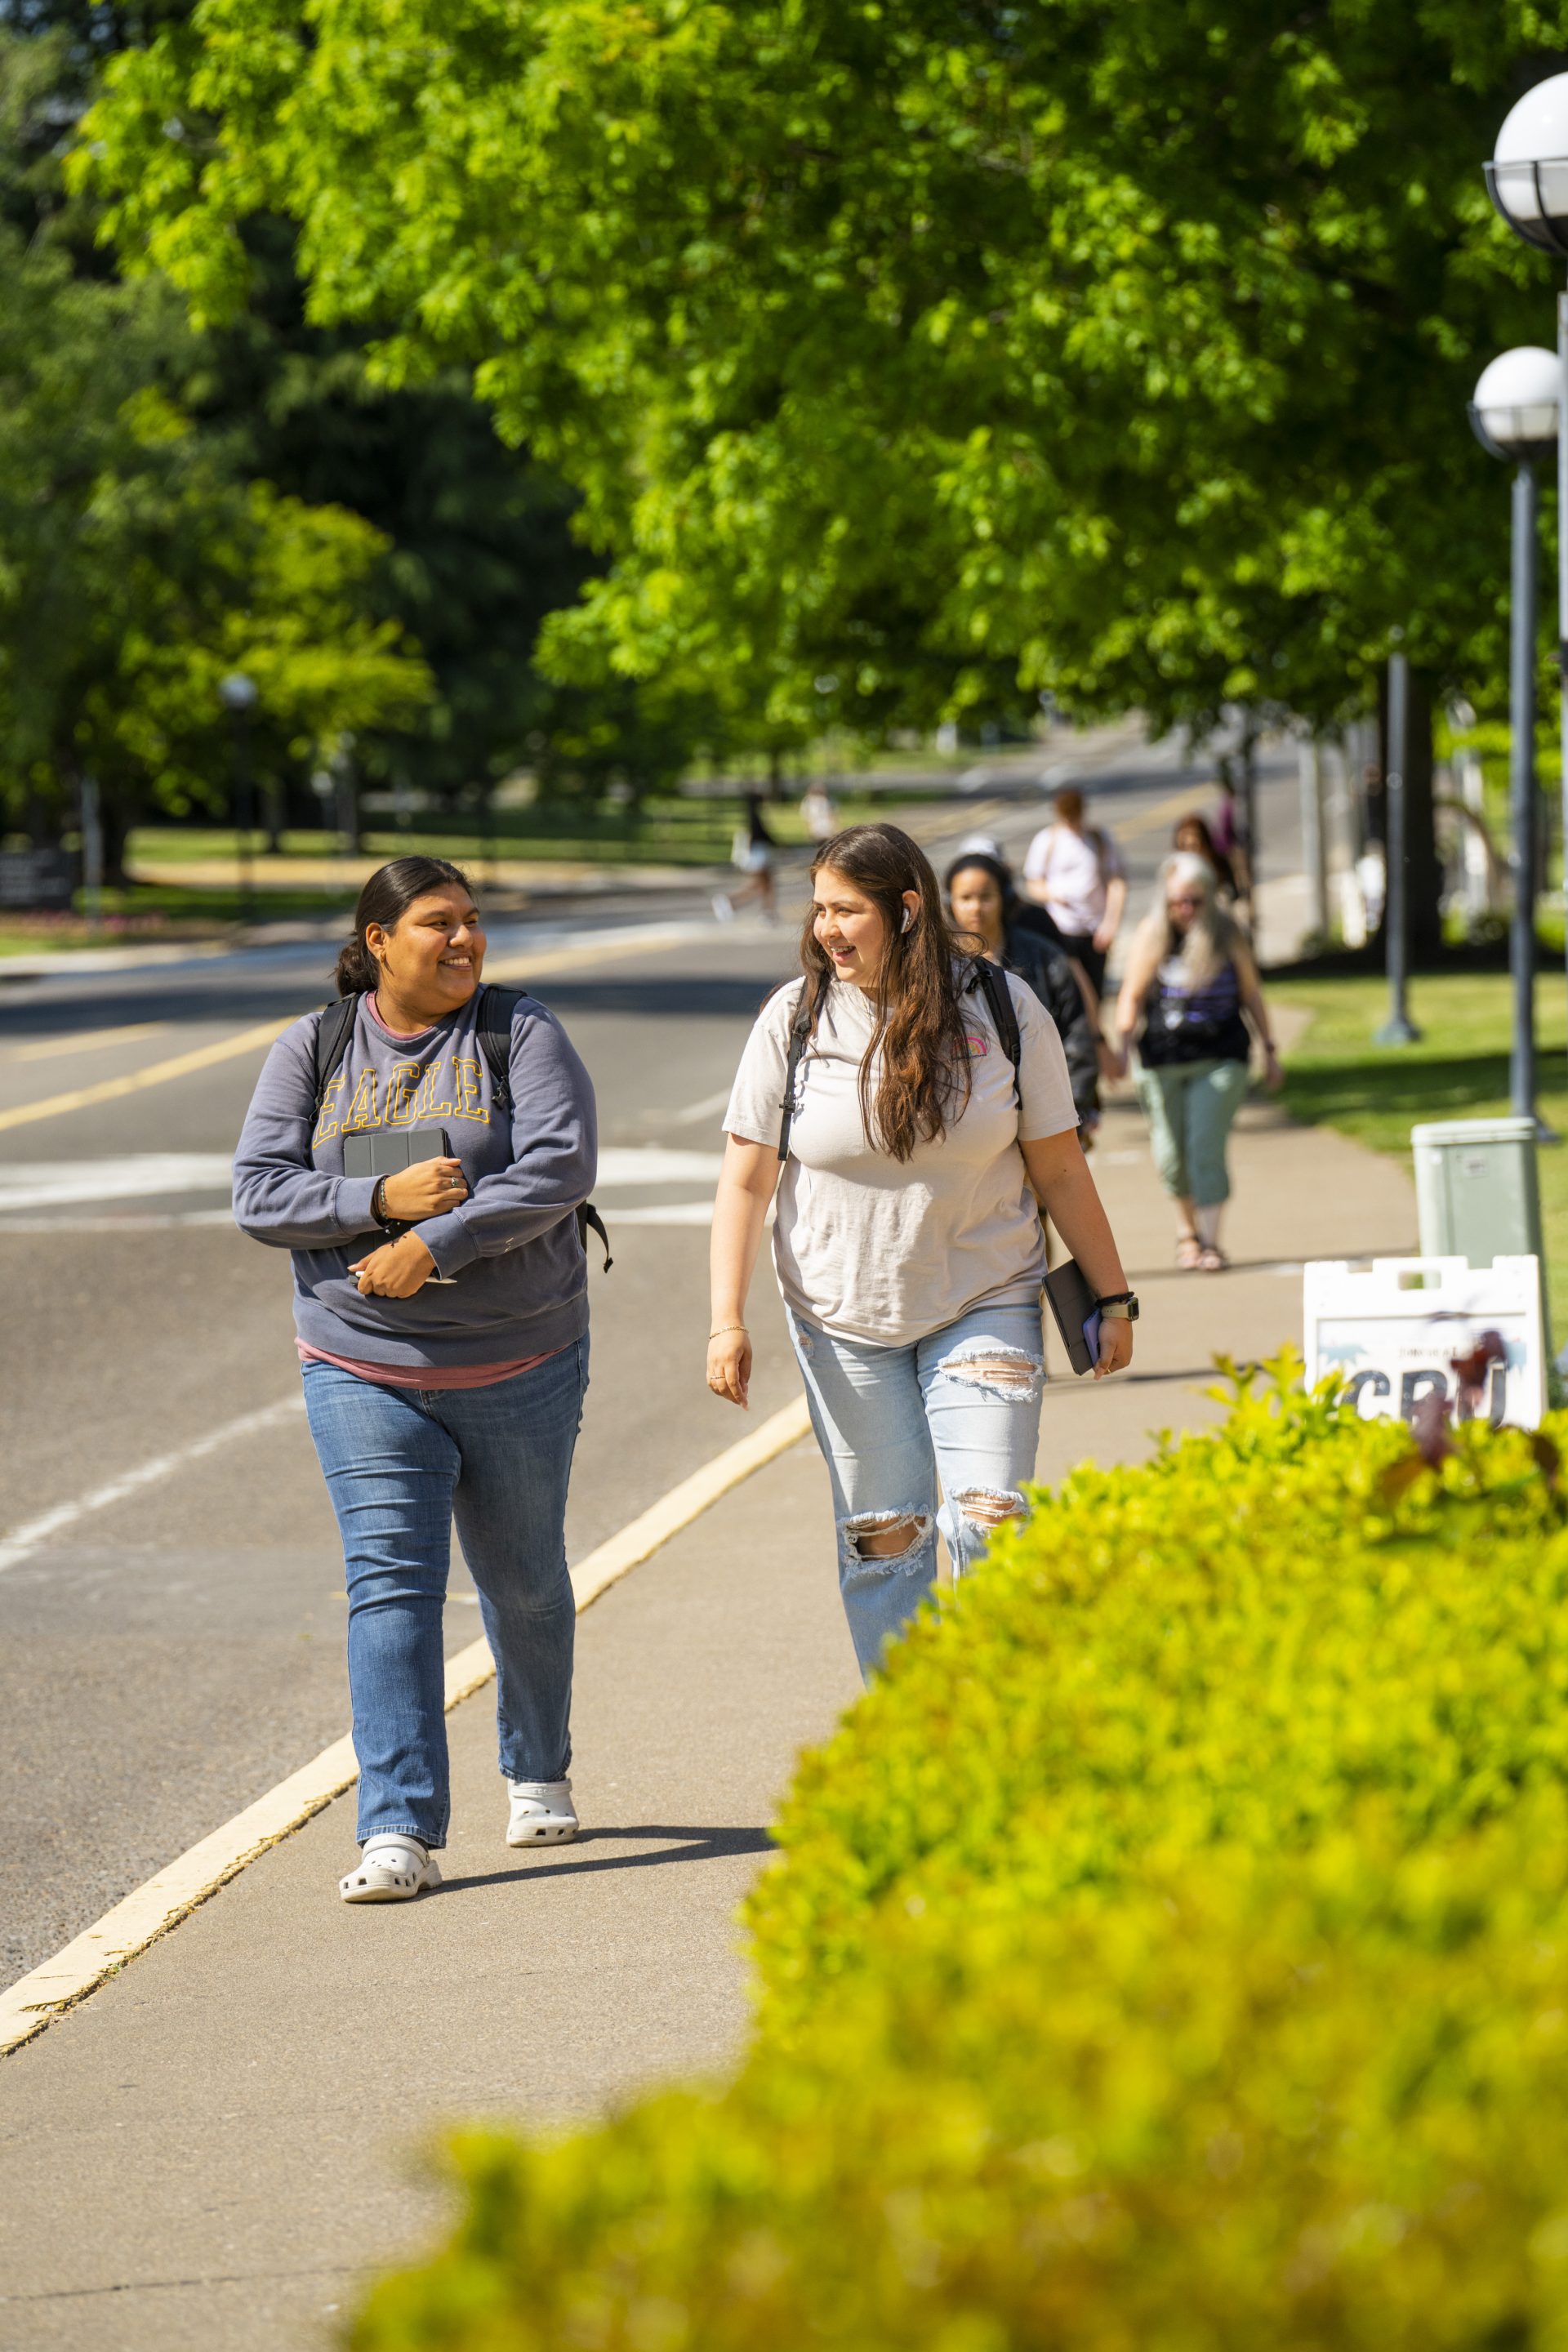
(984, 903)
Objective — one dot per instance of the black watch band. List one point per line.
(378, 1204)
(1116, 1298)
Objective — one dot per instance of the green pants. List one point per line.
(1189, 1107)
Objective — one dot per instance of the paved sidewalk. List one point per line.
(210, 2150)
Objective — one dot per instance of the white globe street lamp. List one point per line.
(1528, 181)
(1527, 177)
(1515, 416)
(1514, 412)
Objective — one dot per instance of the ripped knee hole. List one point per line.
(886, 1535)
(990, 1507)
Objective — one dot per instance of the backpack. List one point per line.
(334, 1027)
(992, 982)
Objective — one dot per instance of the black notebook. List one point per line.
(1072, 1303)
(383, 1150)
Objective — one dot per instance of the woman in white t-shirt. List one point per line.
(908, 1243)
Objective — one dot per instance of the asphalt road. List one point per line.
(163, 1659)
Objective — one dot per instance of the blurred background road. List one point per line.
(168, 1654)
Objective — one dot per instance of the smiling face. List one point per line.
(849, 928)
(431, 959)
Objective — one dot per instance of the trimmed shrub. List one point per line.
(1170, 1951)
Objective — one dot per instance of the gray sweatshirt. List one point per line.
(521, 1277)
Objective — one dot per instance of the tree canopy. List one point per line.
(913, 355)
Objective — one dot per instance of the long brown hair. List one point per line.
(917, 1022)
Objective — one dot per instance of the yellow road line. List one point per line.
(157, 1074)
(167, 1897)
(44, 1049)
(245, 1040)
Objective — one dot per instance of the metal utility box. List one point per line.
(1476, 1192)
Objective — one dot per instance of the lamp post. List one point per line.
(1514, 414)
(238, 695)
(1527, 180)
(1398, 1029)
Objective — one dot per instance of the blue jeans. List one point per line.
(962, 1405)
(400, 1464)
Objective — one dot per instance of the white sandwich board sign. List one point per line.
(1395, 1330)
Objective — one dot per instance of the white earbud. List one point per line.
(908, 922)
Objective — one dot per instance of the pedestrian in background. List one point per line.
(1074, 870)
(1193, 835)
(983, 903)
(910, 1160)
(819, 813)
(753, 856)
(442, 1322)
(1191, 986)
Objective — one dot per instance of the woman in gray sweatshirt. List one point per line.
(442, 1320)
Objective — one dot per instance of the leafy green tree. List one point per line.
(137, 568)
(945, 351)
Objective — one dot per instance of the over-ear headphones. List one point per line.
(908, 922)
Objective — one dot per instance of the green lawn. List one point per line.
(684, 832)
(1336, 1077)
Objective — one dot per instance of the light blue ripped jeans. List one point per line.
(962, 1406)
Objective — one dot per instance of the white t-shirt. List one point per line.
(1075, 868)
(887, 1251)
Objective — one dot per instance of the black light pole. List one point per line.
(1514, 416)
(1528, 181)
(1398, 1029)
(238, 695)
(1521, 791)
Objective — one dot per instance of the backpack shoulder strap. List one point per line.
(998, 996)
(334, 1027)
(498, 1009)
(802, 1024)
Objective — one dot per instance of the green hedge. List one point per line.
(1170, 1951)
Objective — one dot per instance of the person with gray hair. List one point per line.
(1190, 990)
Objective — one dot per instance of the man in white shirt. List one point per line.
(1074, 871)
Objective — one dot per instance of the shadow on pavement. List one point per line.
(700, 1846)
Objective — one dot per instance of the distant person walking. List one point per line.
(910, 1158)
(1191, 988)
(753, 856)
(983, 903)
(819, 813)
(442, 1321)
(1074, 870)
(1193, 835)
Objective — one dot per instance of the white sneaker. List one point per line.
(392, 1868)
(542, 1813)
(722, 908)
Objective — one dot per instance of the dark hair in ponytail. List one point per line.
(917, 1021)
(386, 899)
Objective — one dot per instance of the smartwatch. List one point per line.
(1120, 1307)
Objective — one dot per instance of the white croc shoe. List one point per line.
(542, 1813)
(392, 1868)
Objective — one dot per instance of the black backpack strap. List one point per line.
(998, 996)
(334, 1027)
(498, 1010)
(800, 1028)
(590, 1221)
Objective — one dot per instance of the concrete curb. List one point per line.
(166, 1898)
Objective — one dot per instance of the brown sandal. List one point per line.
(1212, 1259)
(1189, 1253)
